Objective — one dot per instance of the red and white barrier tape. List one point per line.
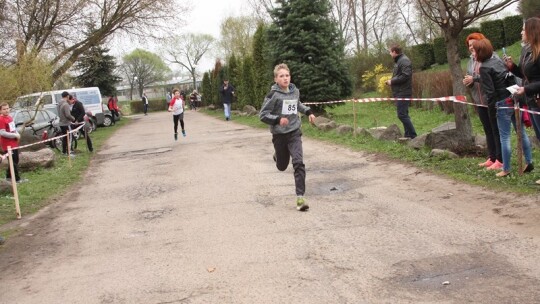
(457, 99)
(4, 156)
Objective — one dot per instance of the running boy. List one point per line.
(280, 111)
(9, 138)
(176, 106)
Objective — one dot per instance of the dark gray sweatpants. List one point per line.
(289, 146)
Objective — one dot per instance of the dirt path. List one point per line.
(208, 219)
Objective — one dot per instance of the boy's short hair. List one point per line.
(3, 104)
(281, 66)
(396, 48)
(65, 94)
(175, 90)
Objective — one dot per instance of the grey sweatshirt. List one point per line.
(272, 109)
(64, 113)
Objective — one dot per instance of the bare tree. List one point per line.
(187, 51)
(261, 9)
(63, 30)
(343, 14)
(237, 35)
(452, 16)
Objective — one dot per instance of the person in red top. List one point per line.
(112, 104)
(9, 137)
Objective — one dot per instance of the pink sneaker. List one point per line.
(486, 164)
(497, 165)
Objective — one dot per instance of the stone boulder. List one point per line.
(443, 154)
(5, 186)
(250, 110)
(211, 107)
(29, 161)
(344, 129)
(362, 132)
(418, 142)
(327, 126)
(386, 133)
(319, 120)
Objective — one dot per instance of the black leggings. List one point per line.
(176, 118)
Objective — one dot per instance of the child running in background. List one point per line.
(280, 111)
(176, 106)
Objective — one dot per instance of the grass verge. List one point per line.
(464, 169)
(46, 184)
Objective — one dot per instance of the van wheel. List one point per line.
(107, 121)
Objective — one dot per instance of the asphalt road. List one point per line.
(209, 219)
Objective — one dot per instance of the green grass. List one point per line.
(376, 114)
(46, 184)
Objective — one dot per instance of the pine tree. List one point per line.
(262, 68)
(247, 82)
(207, 89)
(529, 8)
(97, 70)
(305, 38)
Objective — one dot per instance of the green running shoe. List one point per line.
(301, 204)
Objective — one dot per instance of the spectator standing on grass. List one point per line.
(77, 111)
(401, 84)
(227, 94)
(112, 104)
(145, 103)
(486, 112)
(494, 79)
(9, 138)
(529, 67)
(65, 119)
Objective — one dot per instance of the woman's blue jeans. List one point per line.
(505, 119)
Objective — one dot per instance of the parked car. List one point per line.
(44, 125)
(90, 97)
(107, 119)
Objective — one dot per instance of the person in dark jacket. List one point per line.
(227, 92)
(529, 68)
(486, 113)
(401, 84)
(65, 119)
(78, 111)
(493, 77)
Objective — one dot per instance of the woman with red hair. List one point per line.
(486, 112)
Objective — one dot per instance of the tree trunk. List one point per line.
(462, 118)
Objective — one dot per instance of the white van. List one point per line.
(90, 97)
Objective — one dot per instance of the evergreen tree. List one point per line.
(262, 68)
(206, 89)
(246, 94)
(97, 70)
(529, 8)
(305, 38)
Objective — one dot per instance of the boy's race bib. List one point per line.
(290, 106)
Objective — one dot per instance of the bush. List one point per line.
(369, 78)
(432, 85)
(383, 89)
(439, 50)
(159, 104)
(493, 31)
(512, 29)
(422, 56)
(362, 62)
(462, 47)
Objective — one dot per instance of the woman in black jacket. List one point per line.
(493, 77)
(529, 67)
